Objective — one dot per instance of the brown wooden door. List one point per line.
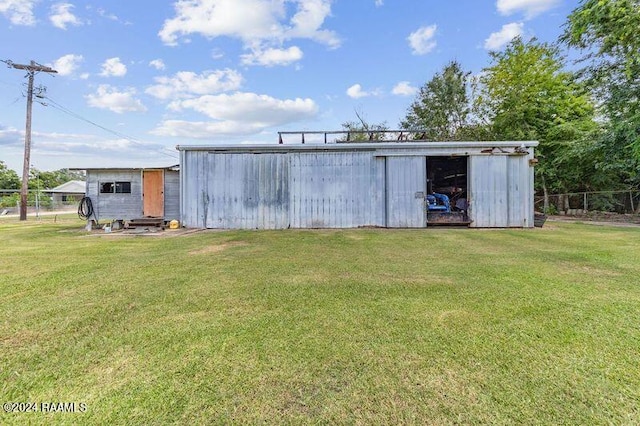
(153, 193)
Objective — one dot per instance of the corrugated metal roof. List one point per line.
(174, 167)
(361, 146)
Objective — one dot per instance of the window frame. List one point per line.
(115, 187)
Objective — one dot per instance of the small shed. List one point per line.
(133, 193)
(68, 193)
(347, 185)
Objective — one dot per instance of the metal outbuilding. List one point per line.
(348, 185)
(131, 193)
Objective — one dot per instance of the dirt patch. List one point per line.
(601, 218)
(611, 219)
(217, 248)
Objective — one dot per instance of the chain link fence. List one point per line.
(581, 203)
(10, 201)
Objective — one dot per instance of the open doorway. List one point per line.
(447, 195)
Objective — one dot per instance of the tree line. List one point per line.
(586, 120)
(9, 179)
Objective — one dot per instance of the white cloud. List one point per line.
(61, 16)
(530, 8)
(157, 64)
(245, 19)
(308, 20)
(108, 97)
(356, 92)
(204, 129)
(217, 53)
(238, 113)
(185, 84)
(251, 107)
(263, 26)
(113, 67)
(379, 3)
(107, 15)
(11, 137)
(67, 64)
(19, 12)
(404, 88)
(505, 35)
(271, 57)
(421, 40)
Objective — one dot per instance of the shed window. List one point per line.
(115, 187)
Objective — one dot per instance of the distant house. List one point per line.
(68, 193)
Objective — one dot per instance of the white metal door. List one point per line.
(488, 191)
(406, 181)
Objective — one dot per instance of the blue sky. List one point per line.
(155, 74)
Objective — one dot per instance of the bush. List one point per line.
(9, 200)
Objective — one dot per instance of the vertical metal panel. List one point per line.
(488, 189)
(171, 195)
(335, 190)
(92, 192)
(193, 177)
(247, 191)
(521, 191)
(520, 208)
(406, 188)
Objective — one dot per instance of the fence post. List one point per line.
(584, 203)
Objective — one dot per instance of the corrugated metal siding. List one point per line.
(501, 191)
(406, 189)
(115, 206)
(517, 180)
(488, 189)
(171, 195)
(247, 191)
(193, 183)
(336, 190)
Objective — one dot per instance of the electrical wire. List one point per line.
(67, 111)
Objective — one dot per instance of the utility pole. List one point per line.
(31, 69)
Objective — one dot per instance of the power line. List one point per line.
(62, 108)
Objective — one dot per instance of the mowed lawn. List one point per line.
(367, 326)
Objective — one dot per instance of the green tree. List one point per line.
(528, 95)
(363, 131)
(441, 107)
(607, 32)
(51, 179)
(8, 178)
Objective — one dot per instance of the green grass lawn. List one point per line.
(439, 326)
